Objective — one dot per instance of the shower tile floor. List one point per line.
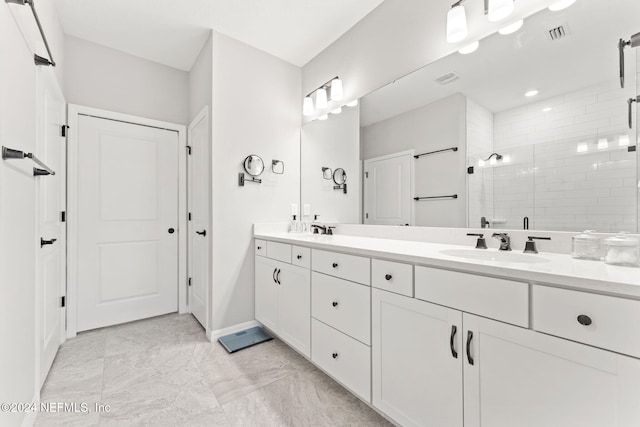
(163, 372)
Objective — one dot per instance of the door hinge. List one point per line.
(189, 281)
(63, 130)
(189, 216)
(63, 216)
(366, 215)
(188, 149)
(366, 174)
(63, 301)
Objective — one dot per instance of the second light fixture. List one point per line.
(335, 93)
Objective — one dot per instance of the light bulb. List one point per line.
(337, 110)
(470, 48)
(336, 90)
(531, 93)
(456, 24)
(561, 4)
(623, 141)
(307, 106)
(511, 28)
(321, 98)
(352, 103)
(480, 163)
(603, 144)
(582, 147)
(323, 117)
(499, 9)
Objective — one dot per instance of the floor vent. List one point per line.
(559, 32)
(447, 78)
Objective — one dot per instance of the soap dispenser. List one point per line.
(294, 226)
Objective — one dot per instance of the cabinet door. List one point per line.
(266, 287)
(295, 307)
(520, 377)
(417, 365)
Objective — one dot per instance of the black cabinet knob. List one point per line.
(335, 265)
(387, 276)
(335, 303)
(259, 247)
(171, 230)
(584, 320)
(334, 355)
(299, 256)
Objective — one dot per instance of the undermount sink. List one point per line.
(492, 255)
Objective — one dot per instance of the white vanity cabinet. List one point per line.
(520, 377)
(283, 293)
(417, 361)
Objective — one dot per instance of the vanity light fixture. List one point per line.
(623, 141)
(323, 117)
(321, 98)
(336, 89)
(511, 28)
(470, 48)
(337, 110)
(352, 103)
(457, 28)
(497, 10)
(307, 106)
(531, 93)
(603, 144)
(582, 147)
(560, 5)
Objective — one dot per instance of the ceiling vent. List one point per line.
(559, 32)
(445, 79)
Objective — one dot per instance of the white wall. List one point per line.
(18, 106)
(332, 143)
(432, 127)
(101, 77)
(201, 81)
(256, 110)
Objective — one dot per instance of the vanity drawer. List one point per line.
(349, 267)
(301, 257)
(614, 322)
(343, 305)
(342, 357)
(499, 299)
(279, 251)
(261, 247)
(392, 276)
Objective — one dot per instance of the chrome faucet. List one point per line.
(505, 241)
(317, 228)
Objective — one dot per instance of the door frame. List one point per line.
(365, 164)
(73, 113)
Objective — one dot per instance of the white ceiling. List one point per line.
(504, 67)
(172, 32)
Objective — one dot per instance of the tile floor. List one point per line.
(164, 372)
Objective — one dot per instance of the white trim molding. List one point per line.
(214, 335)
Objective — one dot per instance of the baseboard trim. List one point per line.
(214, 335)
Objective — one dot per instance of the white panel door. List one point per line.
(127, 222)
(520, 377)
(51, 200)
(417, 361)
(294, 303)
(266, 292)
(199, 202)
(388, 190)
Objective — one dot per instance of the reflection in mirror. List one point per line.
(339, 176)
(540, 122)
(328, 145)
(253, 165)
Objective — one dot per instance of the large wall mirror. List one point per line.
(528, 131)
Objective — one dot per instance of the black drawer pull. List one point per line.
(274, 275)
(335, 265)
(584, 320)
(335, 303)
(47, 242)
(202, 233)
(334, 355)
(469, 338)
(388, 276)
(259, 247)
(454, 330)
(299, 257)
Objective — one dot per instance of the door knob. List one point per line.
(44, 242)
(202, 233)
(171, 230)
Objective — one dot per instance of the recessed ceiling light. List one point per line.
(470, 48)
(531, 93)
(547, 109)
(561, 4)
(512, 28)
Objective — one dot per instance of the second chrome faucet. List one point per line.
(505, 241)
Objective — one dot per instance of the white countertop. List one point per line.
(556, 269)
